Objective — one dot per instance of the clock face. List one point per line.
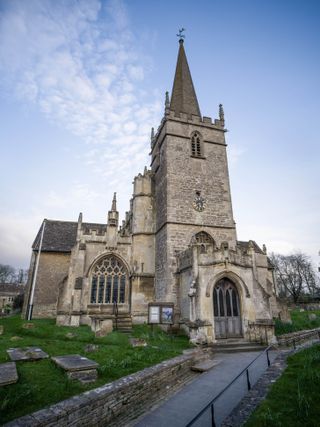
(199, 203)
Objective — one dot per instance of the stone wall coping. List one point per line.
(50, 416)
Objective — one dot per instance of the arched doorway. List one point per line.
(226, 308)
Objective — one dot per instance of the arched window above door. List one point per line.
(109, 281)
(203, 240)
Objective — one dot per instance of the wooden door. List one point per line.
(226, 306)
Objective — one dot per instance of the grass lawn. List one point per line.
(41, 383)
(300, 321)
(294, 399)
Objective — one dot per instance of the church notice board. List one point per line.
(160, 312)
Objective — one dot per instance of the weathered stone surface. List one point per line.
(205, 366)
(74, 362)
(91, 348)
(87, 376)
(28, 325)
(137, 342)
(8, 373)
(26, 354)
(15, 338)
(101, 327)
(312, 316)
(105, 405)
(71, 335)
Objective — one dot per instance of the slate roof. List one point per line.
(183, 98)
(245, 245)
(60, 236)
(13, 288)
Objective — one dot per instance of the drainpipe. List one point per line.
(33, 285)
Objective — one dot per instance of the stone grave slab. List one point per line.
(205, 365)
(78, 367)
(26, 354)
(8, 373)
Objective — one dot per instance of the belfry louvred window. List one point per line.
(109, 278)
(196, 145)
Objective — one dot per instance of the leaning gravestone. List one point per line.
(78, 367)
(26, 354)
(8, 373)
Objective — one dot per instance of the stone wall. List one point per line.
(116, 403)
(53, 268)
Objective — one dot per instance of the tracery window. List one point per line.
(109, 280)
(196, 145)
(225, 299)
(203, 240)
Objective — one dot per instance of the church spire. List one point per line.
(184, 98)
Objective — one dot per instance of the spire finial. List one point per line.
(152, 133)
(180, 35)
(221, 114)
(114, 202)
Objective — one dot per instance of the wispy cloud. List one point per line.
(77, 62)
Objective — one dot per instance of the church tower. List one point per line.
(191, 179)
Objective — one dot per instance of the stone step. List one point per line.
(205, 366)
(237, 348)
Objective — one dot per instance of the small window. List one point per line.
(196, 145)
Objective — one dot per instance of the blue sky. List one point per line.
(82, 83)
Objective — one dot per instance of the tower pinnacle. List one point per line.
(114, 202)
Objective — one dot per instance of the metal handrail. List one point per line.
(299, 337)
(211, 403)
(115, 312)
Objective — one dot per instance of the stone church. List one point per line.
(176, 251)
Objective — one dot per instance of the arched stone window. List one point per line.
(196, 145)
(109, 281)
(203, 240)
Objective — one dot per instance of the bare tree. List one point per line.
(7, 274)
(295, 275)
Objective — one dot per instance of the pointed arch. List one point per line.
(196, 146)
(239, 283)
(109, 280)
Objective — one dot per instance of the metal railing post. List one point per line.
(248, 380)
(212, 416)
(268, 360)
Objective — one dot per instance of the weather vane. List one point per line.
(180, 35)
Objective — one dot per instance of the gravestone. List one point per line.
(8, 373)
(77, 367)
(101, 327)
(28, 326)
(26, 354)
(91, 348)
(137, 342)
(1, 329)
(312, 316)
